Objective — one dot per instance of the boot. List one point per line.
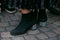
(27, 21)
(34, 27)
(10, 10)
(10, 6)
(42, 18)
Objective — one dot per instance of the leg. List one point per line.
(42, 16)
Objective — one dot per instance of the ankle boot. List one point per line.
(42, 18)
(27, 21)
(10, 6)
(34, 27)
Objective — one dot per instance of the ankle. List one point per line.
(25, 11)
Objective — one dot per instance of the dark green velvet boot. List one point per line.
(27, 21)
(42, 18)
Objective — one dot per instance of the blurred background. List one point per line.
(10, 18)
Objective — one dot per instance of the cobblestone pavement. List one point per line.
(10, 21)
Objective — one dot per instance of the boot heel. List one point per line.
(43, 24)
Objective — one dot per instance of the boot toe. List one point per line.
(14, 32)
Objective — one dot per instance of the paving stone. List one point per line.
(1, 17)
(59, 37)
(51, 34)
(52, 26)
(8, 14)
(14, 17)
(4, 19)
(57, 18)
(51, 20)
(53, 38)
(12, 23)
(57, 31)
(2, 29)
(4, 24)
(5, 34)
(6, 39)
(49, 15)
(30, 37)
(9, 28)
(18, 38)
(33, 32)
(57, 23)
(18, 14)
(41, 36)
(45, 29)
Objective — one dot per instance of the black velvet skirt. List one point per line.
(27, 4)
(31, 4)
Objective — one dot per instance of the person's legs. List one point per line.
(27, 21)
(34, 27)
(42, 16)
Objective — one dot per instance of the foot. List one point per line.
(11, 10)
(43, 24)
(22, 28)
(34, 27)
(26, 23)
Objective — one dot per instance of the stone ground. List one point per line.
(10, 21)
